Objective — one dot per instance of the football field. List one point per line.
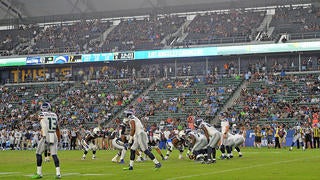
(255, 164)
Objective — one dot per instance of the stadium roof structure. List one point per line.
(35, 11)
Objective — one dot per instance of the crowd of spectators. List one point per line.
(267, 99)
(66, 38)
(137, 33)
(296, 19)
(13, 40)
(273, 99)
(216, 26)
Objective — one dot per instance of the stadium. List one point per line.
(240, 68)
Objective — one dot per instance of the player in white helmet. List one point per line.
(88, 142)
(297, 137)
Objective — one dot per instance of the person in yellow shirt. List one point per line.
(280, 136)
(316, 136)
(258, 136)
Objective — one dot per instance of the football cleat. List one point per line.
(114, 160)
(158, 165)
(83, 158)
(140, 159)
(130, 168)
(210, 161)
(222, 157)
(58, 176)
(36, 176)
(240, 155)
(93, 157)
(121, 161)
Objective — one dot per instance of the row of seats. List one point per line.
(149, 33)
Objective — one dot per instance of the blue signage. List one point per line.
(97, 57)
(33, 60)
(61, 59)
(176, 53)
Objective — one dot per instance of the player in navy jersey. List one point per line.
(120, 142)
(88, 142)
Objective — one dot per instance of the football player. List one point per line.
(177, 141)
(120, 142)
(297, 137)
(224, 134)
(154, 140)
(197, 145)
(234, 141)
(50, 137)
(65, 139)
(88, 143)
(213, 137)
(137, 139)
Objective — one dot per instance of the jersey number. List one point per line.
(52, 123)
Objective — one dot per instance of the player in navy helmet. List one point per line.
(50, 137)
(213, 137)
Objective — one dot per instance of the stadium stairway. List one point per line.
(134, 101)
(230, 101)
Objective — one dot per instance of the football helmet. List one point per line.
(187, 131)
(127, 113)
(96, 130)
(45, 106)
(198, 122)
(182, 133)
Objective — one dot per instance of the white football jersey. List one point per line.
(224, 125)
(138, 125)
(49, 123)
(197, 136)
(211, 130)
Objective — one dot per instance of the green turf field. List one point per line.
(255, 164)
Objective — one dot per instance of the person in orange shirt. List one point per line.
(315, 118)
(190, 121)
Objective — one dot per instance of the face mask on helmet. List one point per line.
(96, 130)
(45, 106)
(127, 113)
(198, 122)
(187, 131)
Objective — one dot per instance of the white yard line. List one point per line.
(8, 173)
(236, 169)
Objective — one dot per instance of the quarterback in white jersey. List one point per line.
(213, 137)
(224, 135)
(50, 137)
(234, 141)
(137, 139)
